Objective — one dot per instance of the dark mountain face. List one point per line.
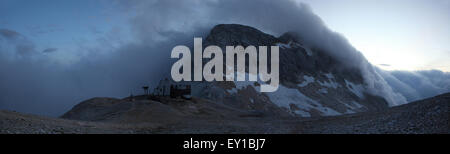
(313, 83)
(234, 34)
(295, 57)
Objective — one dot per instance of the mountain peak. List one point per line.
(312, 82)
(290, 36)
(235, 34)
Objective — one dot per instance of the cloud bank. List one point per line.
(415, 85)
(32, 81)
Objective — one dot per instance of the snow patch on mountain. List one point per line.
(243, 84)
(355, 89)
(284, 97)
(308, 80)
(323, 90)
(329, 84)
(308, 50)
(302, 113)
(284, 45)
(356, 105)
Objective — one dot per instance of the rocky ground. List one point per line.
(108, 115)
(425, 116)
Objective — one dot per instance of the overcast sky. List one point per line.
(394, 35)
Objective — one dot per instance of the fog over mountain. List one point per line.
(415, 85)
(32, 82)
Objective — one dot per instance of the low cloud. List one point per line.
(15, 45)
(50, 50)
(35, 83)
(9, 34)
(415, 85)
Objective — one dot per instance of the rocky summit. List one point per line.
(313, 83)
